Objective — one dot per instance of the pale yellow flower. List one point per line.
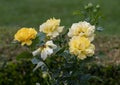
(51, 27)
(45, 50)
(25, 35)
(81, 47)
(82, 29)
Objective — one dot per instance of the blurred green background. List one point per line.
(32, 13)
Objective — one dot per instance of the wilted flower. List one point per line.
(81, 47)
(45, 50)
(51, 27)
(82, 29)
(25, 35)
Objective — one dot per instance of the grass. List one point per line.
(32, 13)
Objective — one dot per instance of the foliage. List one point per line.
(109, 74)
(20, 73)
(91, 13)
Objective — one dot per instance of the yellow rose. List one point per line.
(51, 27)
(82, 29)
(81, 47)
(25, 35)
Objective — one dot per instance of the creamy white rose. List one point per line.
(45, 50)
(51, 28)
(82, 29)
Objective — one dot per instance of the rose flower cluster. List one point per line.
(81, 35)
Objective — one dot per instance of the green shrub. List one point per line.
(110, 75)
(21, 74)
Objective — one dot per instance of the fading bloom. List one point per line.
(45, 50)
(25, 35)
(82, 29)
(81, 47)
(51, 27)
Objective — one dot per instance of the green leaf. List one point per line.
(39, 40)
(84, 79)
(42, 36)
(96, 78)
(24, 55)
(60, 50)
(34, 42)
(67, 56)
(34, 60)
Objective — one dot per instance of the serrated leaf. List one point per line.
(24, 55)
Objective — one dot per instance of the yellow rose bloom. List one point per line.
(81, 47)
(25, 35)
(82, 29)
(51, 27)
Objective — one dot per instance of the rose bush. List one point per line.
(61, 53)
